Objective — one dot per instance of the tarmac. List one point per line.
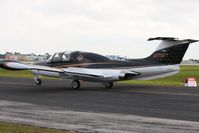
(93, 108)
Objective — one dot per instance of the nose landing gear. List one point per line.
(37, 80)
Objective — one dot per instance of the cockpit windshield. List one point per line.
(66, 57)
(60, 57)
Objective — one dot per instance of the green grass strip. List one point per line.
(175, 80)
(19, 128)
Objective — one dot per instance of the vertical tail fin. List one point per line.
(170, 50)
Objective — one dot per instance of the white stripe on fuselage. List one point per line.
(146, 73)
(156, 72)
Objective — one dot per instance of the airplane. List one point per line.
(86, 66)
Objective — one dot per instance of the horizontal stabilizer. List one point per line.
(172, 39)
(163, 38)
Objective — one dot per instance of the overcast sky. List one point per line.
(118, 27)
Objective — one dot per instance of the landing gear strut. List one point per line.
(108, 84)
(38, 81)
(75, 84)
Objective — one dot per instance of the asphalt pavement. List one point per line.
(177, 103)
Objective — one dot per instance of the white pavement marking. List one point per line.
(60, 118)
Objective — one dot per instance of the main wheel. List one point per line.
(108, 84)
(38, 81)
(76, 84)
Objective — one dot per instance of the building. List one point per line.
(190, 61)
(116, 57)
(25, 57)
(15, 56)
(2, 56)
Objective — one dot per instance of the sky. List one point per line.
(108, 27)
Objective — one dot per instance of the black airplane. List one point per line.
(93, 67)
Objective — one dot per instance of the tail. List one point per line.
(170, 50)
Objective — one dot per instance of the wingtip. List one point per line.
(191, 40)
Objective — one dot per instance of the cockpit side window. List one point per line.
(57, 57)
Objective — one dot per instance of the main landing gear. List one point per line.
(108, 84)
(76, 84)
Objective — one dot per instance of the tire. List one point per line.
(76, 84)
(38, 82)
(108, 85)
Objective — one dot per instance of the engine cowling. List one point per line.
(127, 75)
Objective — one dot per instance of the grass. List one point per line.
(19, 128)
(175, 80)
(22, 74)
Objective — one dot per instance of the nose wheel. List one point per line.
(38, 81)
(75, 84)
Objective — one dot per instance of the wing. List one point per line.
(72, 72)
(86, 74)
(99, 74)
